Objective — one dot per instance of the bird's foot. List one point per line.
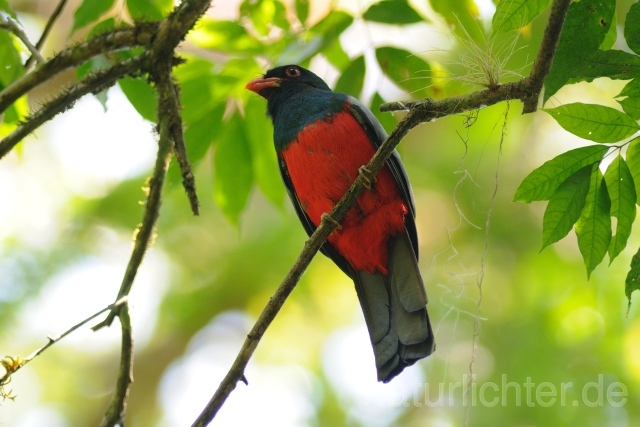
(367, 178)
(331, 220)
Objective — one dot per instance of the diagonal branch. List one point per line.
(8, 23)
(74, 56)
(19, 362)
(547, 52)
(418, 112)
(47, 29)
(116, 411)
(93, 84)
(144, 232)
(169, 103)
(311, 247)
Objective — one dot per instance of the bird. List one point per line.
(322, 140)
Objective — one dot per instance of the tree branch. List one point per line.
(311, 247)
(10, 24)
(52, 340)
(74, 56)
(45, 33)
(418, 112)
(118, 406)
(92, 84)
(431, 109)
(160, 60)
(151, 212)
(544, 59)
(527, 89)
(169, 102)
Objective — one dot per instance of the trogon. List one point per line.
(322, 139)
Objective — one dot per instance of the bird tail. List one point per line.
(395, 312)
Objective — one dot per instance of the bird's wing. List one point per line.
(377, 135)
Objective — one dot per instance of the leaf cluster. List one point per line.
(577, 191)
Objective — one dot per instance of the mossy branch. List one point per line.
(418, 112)
(117, 408)
(74, 56)
(92, 84)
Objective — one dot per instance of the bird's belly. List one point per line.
(322, 163)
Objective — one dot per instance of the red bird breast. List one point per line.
(323, 162)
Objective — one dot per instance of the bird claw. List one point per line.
(331, 220)
(367, 179)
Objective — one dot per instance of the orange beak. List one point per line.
(258, 85)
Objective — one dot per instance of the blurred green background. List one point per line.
(552, 347)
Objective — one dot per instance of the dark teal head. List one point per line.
(296, 97)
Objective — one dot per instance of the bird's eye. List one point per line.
(293, 72)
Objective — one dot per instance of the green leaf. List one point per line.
(259, 131)
(632, 28)
(302, 10)
(4, 5)
(199, 135)
(11, 67)
(631, 102)
(407, 70)
(543, 181)
(633, 278)
(515, 14)
(337, 56)
(565, 206)
(392, 12)
(594, 226)
(102, 27)
(264, 14)
(324, 35)
(197, 96)
(594, 122)
(615, 64)
(623, 203)
(352, 79)
(149, 10)
(387, 120)
(89, 11)
(233, 172)
(142, 96)
(462, 16)
(633, 162)
(584, 30)
(224, 36)
(98, 63)
(332, 25)
(612, 34)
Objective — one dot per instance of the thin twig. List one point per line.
(437, 108)
(10, 24)
(118, 406)
(169, 102)
(53, 340)
(92, 84)
(151, 212)
(45, 33)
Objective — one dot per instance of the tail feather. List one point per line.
(394, 308)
